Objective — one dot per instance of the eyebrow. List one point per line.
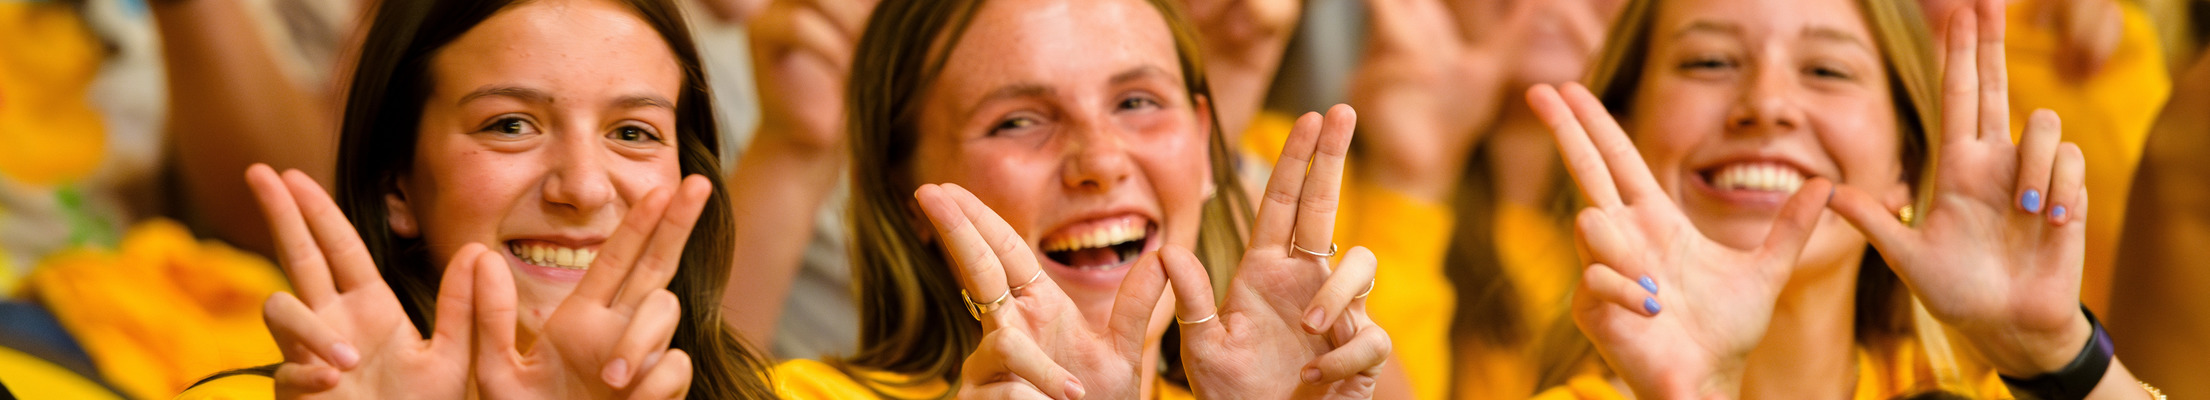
(1029, 89)
(1709, 27)
(541, 97)
(1835, 35)
(1139, 73)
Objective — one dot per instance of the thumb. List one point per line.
(1133, 305)
(1798, 218)
(456, 297)
(1870, 216)
(1192, 292)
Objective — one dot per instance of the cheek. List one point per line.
(1867, 146)
(1176, 161)
(461, 193)
(1687, 123)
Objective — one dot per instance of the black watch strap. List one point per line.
(2076, 379)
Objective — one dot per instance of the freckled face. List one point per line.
(1744, 100)
(544, 125)
(1069, 118)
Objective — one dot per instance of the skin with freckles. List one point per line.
(538, 133)
(1055, 127)
(1799, 83)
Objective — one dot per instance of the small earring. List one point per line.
(1907, 214)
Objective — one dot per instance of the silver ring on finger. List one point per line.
(977, 309)
(1031, 280)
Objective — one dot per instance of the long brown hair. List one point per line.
(376, 147)
(912, 319)
(1883, 309)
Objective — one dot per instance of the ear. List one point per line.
(1203, 105)
(399, 215)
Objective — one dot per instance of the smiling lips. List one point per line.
(1763, 177)
(1101, 246)
(551, 255)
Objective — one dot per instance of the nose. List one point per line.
(578, 179)
(1769, 104)
(1097, 156)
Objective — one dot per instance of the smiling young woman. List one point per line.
(544, 168)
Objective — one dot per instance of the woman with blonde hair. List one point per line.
(1714, 270)
(1067, 157)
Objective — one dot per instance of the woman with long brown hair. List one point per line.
(538, 151)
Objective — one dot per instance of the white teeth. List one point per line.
(1128, 231)
(1759, 177)
(551, 256)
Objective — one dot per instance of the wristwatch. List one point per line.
(2077, 378)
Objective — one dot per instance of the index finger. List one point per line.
(1015, 258)
(350, 265)
(620, 251)
(1323, 185)
(1277, 208)
(664, 253)
(295, 244)
(979, 269)
(1994, 77)
(1636, 184)
(1581, 158)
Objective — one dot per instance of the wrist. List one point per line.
(2067, 365)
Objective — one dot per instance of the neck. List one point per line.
(1813, 333)
(1522, 158)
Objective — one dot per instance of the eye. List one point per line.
(510, 127)
(1828, 72)
(635, 134)
(1707, 63)
(1138, 103)
(1012, 124)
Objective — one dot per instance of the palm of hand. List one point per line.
(1972, 238)
(394, 357)
(1262, 316)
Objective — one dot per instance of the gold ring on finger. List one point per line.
(1031, 280)
(977, 309)
(1369, 290)
(1330, 253)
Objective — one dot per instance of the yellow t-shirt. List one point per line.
(1886, 374)
(1412, 299)
(29, 377)
(810, 379)
(2108, 115)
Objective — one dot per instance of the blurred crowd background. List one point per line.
(133, 261)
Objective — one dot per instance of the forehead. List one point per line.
(1056, 43)
(562, 45)
(1785, 19)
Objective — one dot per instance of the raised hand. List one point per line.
(345, 335)
(1033, 332)
(801, 54)
(1429, 89)
(2005, 221)
(1243, 44)
(1290, 327)
(608, 339)
(1673, 312)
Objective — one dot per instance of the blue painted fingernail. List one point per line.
(2057, 212)
(1648, 284)
(2032, 200)
(1650, 304)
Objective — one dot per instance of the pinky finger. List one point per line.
(1606, 283)
(296, 378)
(668, 379)
(2068, 185)
(1004, 390)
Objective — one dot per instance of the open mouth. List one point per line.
(1755, 177)
(549, 255)
(1101, 245)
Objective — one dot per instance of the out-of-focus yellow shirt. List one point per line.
(810, 379)
(2108, 115)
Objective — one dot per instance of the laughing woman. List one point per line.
(1708, 278)
(1029, 173)
(544, 168)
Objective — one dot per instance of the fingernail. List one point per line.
(1314, 318)
(1650, 304)
(1648, 284)
(2032, 200)
(2057, 212)
(345, 355)
(1074, 389)
(1312, 375)
(616, 373)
